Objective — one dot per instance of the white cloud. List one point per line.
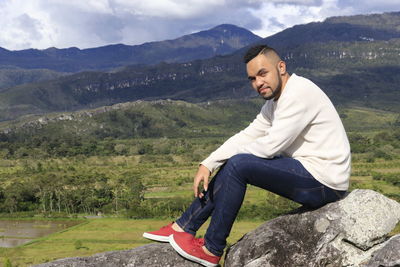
(91, 23)
(370, 6)
(168, 8)
(283, 14)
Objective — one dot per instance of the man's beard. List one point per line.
(277, 90)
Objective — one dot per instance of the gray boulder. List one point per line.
(345, 233)
(156, 254)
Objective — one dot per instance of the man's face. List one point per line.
(264, 76)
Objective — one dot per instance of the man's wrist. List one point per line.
(204, 167)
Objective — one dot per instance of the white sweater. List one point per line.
(302, 124)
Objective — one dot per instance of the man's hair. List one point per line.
(256, 50)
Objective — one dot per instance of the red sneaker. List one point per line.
(191, 248)
(161, 235)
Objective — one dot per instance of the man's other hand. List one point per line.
(203, 174)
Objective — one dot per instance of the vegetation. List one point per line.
(15, 76)
(137, 161)
(128, 161)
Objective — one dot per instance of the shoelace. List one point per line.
(198, 242)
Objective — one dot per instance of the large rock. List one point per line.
(345, 233)
(156, 254)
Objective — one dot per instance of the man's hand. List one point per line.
(203, 174)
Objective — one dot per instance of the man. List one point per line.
(296, 147)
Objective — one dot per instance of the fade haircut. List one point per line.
(256, 50)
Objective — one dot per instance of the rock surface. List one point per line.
(344, 233)
(156, 254)
(350, 232)
(388, 255)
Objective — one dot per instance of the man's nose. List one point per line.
(259, 81)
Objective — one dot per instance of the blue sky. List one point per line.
(92, 23)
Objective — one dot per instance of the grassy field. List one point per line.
(166, 169)
(107, 234)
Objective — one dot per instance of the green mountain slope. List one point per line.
(82, 132)
(66, 133)
(10, 77)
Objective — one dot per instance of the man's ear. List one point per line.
(282, 67)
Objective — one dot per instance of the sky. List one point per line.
(42, 24)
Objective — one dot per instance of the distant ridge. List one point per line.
(359, 28)
(388, 21)
(220, 40)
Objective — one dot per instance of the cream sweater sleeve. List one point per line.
(292, 116)
(232, 146)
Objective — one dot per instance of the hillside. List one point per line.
(71, 132)
(160, 118)
(10, 77)
(353, 63)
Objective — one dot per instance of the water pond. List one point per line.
(18, 232)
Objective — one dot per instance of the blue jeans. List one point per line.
(284, 176)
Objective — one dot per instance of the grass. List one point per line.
(99, 235)
(162, 179)
(108, 234)
(367, 119)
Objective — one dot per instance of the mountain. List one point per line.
(375, 27)
(354, 60)
(220, 40)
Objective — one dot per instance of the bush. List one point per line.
(7, 262)
(382, 154)
(392, 178)
(160, 207)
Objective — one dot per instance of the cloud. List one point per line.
(168, 8)
(370, 6)
(91, 23)
(101, 22)
(284, 14)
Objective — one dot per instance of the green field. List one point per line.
(142, 182)
(107, 234)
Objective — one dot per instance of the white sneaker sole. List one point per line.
(156, 237)
(188, 256)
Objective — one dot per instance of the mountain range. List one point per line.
(220, 40)
(355, 60)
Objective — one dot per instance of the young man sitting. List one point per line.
(296, 147)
